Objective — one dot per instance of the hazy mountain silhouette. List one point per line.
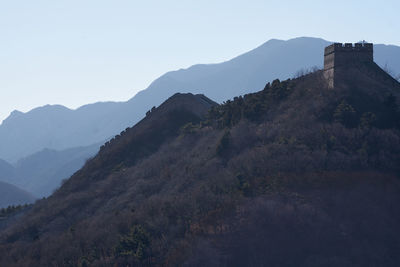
(56, 127)
(59, 128)
(12, 195)
(43, 172)
(7, 172)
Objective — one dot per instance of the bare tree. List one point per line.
(305, 71)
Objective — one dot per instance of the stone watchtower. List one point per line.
(338, 56)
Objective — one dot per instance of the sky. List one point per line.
(75, 52)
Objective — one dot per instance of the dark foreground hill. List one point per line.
(294, 175)
(57, 140)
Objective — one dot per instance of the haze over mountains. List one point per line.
(59, 128)
(7, 172)
(42, 172)
(12, 195)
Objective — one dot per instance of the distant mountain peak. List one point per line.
(14, 114)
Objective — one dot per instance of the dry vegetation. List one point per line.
(295, 174)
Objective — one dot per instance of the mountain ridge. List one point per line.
(222, 81)
(295, 174)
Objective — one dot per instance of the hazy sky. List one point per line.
(74, 52)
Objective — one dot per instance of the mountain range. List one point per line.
(48, 144)
(58, 128)
(296, 174)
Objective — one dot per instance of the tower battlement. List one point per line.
(349, 47)
(341, 55)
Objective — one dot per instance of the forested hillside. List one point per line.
(294, 175)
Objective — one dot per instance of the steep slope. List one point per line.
(12, 195)
(296, 174)
(56, 127)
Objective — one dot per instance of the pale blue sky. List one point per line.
(74, 52)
